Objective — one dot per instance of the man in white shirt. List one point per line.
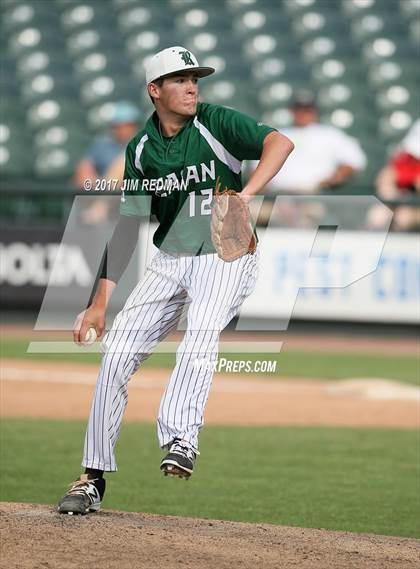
(324, 157)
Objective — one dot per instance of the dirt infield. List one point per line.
(39, 538)
(45, 389)
(36, 537)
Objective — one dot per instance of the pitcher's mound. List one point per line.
(36, 537)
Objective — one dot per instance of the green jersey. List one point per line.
(174, 178)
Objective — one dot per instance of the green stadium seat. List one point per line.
(370, 26)
(279, 117)
(89, 39)
(67, 62)
(409, 9)
(144, 16)
(227, 92)
(351, 121)
(33, 38)
(15, 160)
(353, 8)
(315, 23)
(54, 111)
(340, 93)
(13, 132)
(414, 28)
(9, 83)
(384, 48)
(179, 6)
(394, 125)
(105, 88)
(146, 42)
(95, 63)
(36, 62)
(258, 19)
(28, 14)
(335, 70)
(9, 111)
(279, 68)
(206, 43)
(326, 47)
(276, 93)
(195, 20)
(295, 7)
(80, 15)
(392, 71)
(122, 4)
(237, 70)
(226, 67)
(398, 96)
(56, 162)
(22, 208)
(260, 45)
(265, 45)
(17, 16)
(61, 135)
(41, 86)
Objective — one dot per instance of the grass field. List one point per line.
(362, 480)
(289, 364)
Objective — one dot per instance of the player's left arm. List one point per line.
(247, 139)
(276, 149)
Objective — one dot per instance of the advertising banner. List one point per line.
(390, 293)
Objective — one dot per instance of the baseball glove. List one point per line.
(231, 230)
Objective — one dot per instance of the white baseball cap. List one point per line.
(172, 60)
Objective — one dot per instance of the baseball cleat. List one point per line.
(172, 470)
(180, 460)
(84, 496)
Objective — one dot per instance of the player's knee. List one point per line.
(118, 367)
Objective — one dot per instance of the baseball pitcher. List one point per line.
(185, 169)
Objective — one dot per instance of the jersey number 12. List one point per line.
(205, 204)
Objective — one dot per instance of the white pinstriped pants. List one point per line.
(214, 291)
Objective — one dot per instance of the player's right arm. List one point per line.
(117, 254)
(94, 316)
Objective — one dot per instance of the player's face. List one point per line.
(179, 94)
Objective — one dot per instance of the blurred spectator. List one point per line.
(324, 158)
(400, 179)
(104, 160)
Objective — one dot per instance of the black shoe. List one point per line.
(84, 496)
(180, 459)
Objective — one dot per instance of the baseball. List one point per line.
(90, 337)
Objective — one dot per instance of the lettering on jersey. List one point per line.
(172, 183)
(164, 186)
(192, 174)
(205, 171)
(200, 173)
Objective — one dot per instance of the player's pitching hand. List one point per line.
(93, 317)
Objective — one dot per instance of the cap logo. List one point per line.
(186, 57)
